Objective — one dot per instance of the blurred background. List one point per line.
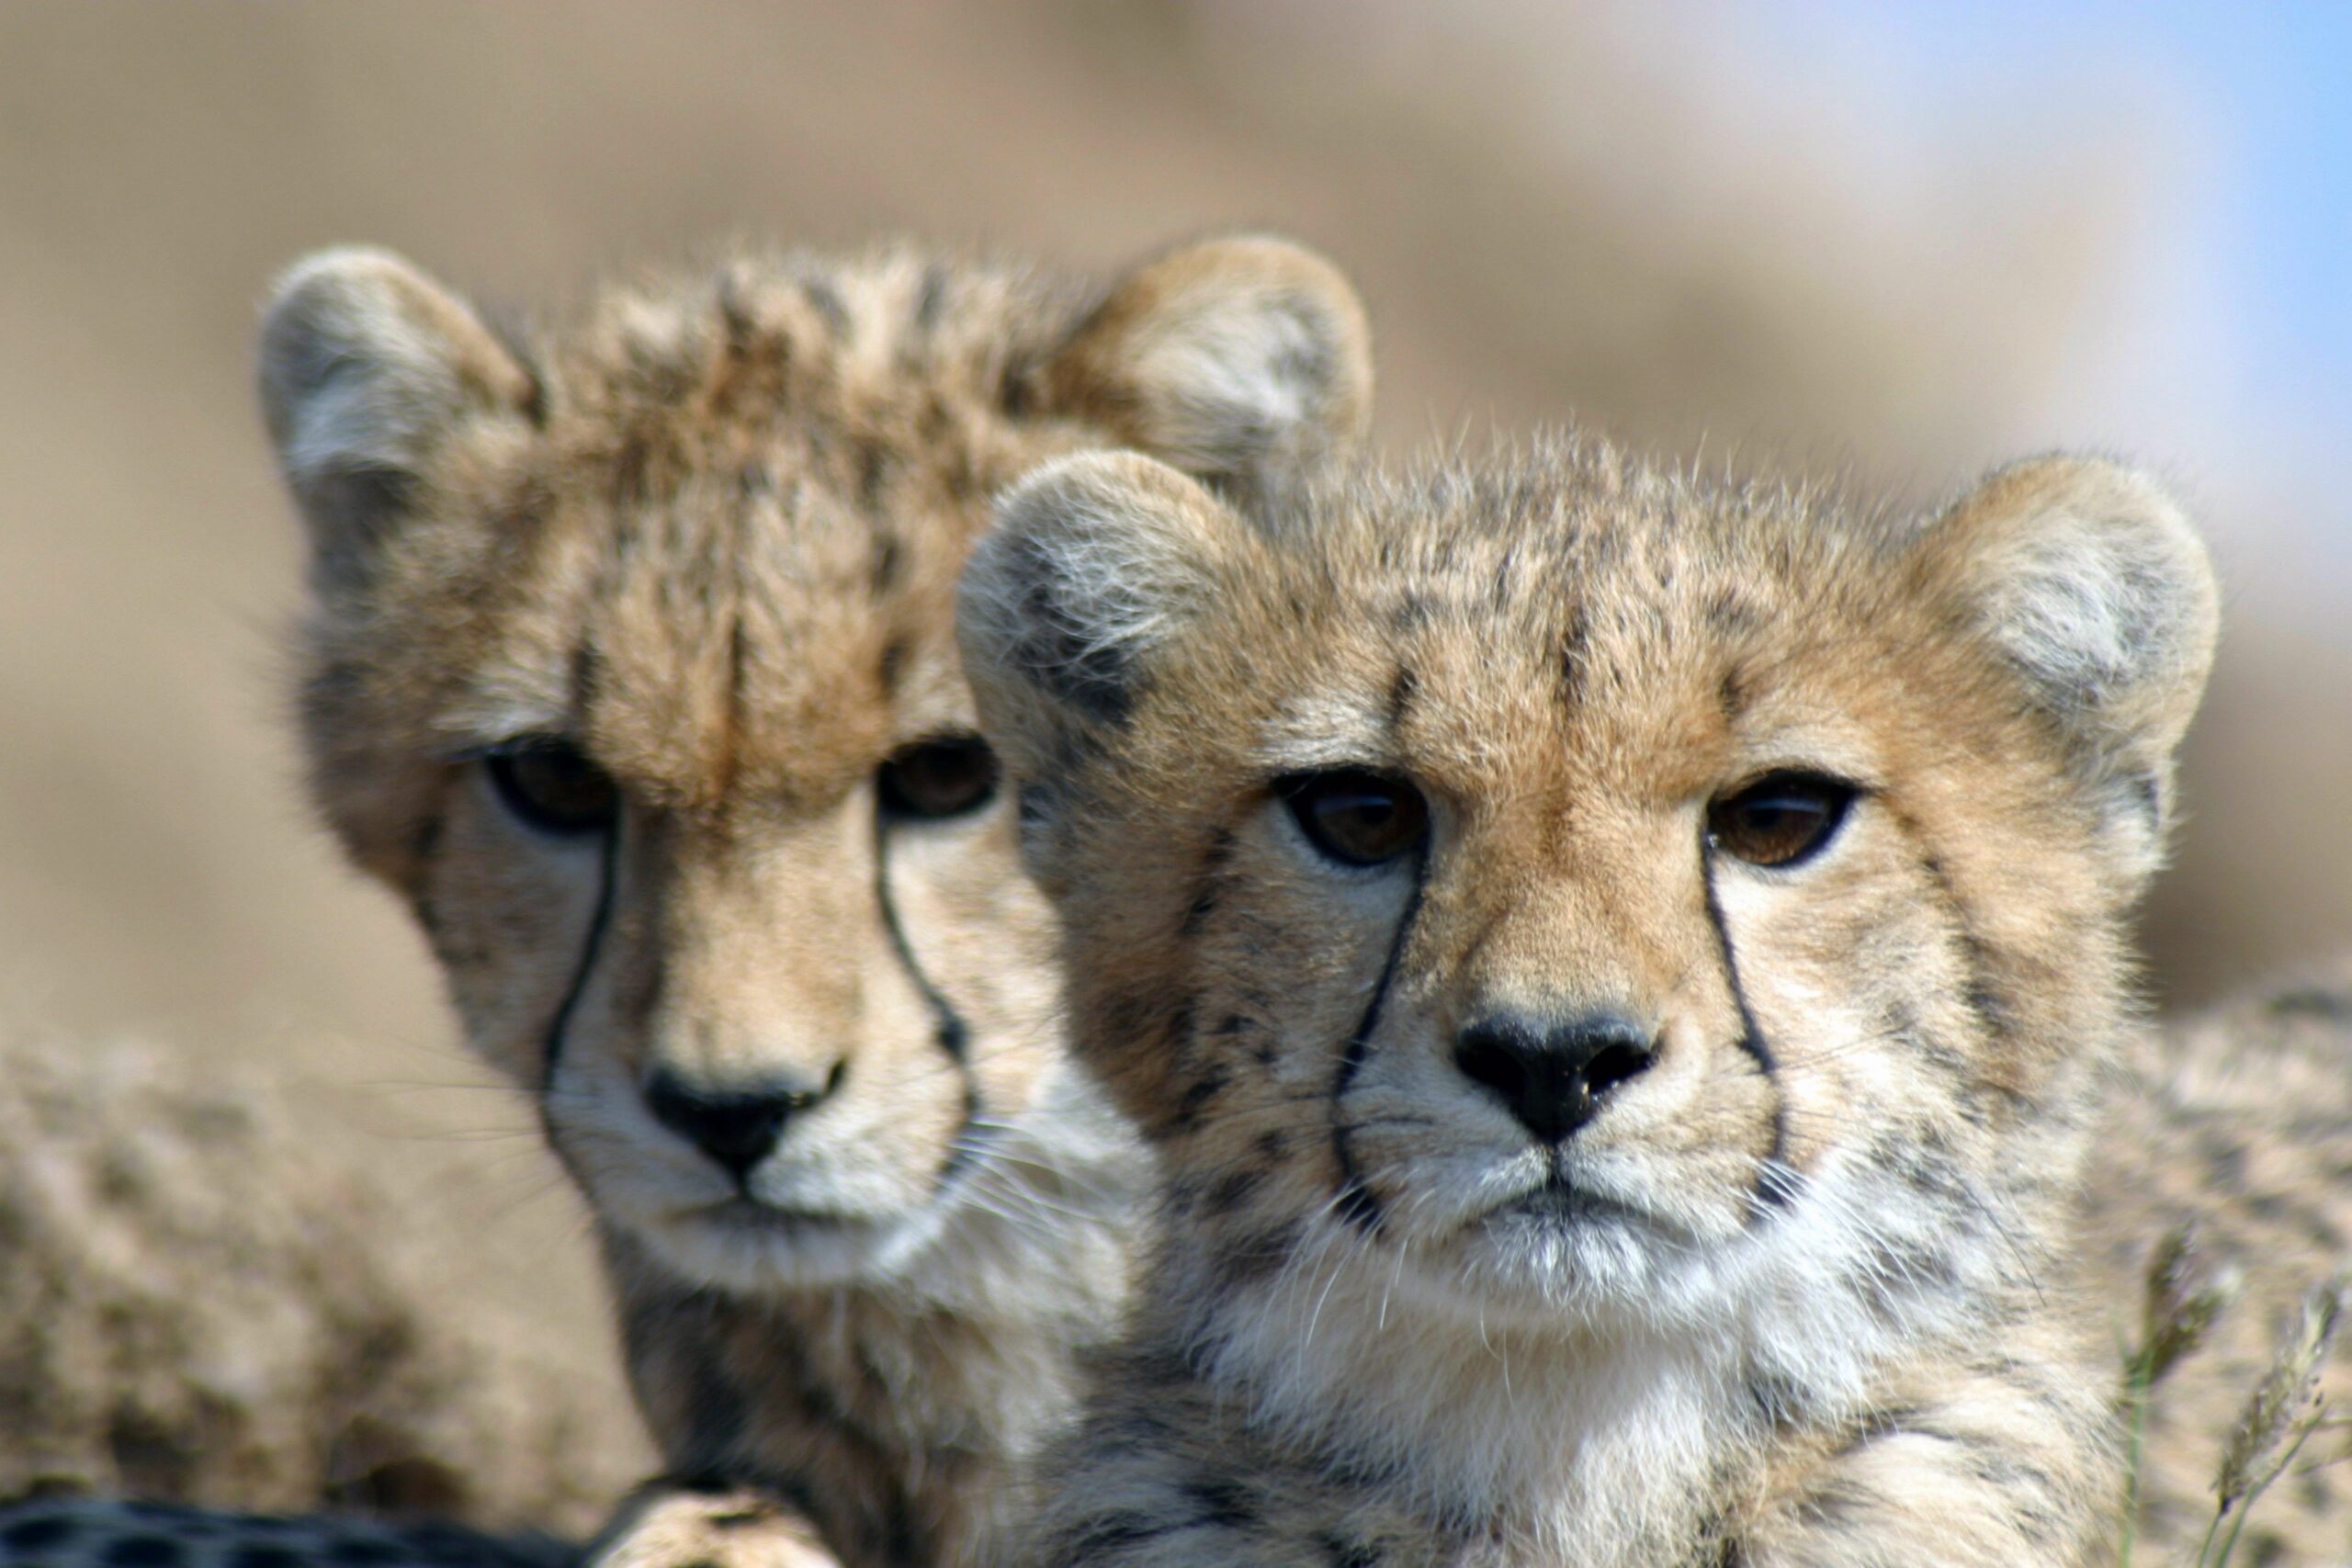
(1908, 240)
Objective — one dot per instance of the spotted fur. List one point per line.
(1802, 1291)
(2236, 1121)
(698, 540)
(68, 1532)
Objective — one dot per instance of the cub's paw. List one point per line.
(663, 1526)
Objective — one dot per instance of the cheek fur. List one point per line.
(505, 917)
(984, 937)
(1273, 965)
(1848, 970)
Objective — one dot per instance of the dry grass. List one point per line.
(2186, 1296)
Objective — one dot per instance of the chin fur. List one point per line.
(1571, 1351)
(756, 1256)
(1064, 1180)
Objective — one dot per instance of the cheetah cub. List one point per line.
(630, 668)
(1618, 969)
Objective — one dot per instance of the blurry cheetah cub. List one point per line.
(1620, 971)
(630, 668)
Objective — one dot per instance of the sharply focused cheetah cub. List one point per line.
(630, 667)
(1618, 969)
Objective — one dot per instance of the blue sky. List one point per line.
(2231, 339)
(2257, 228)
(2281, 78)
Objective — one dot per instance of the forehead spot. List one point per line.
(1402, 689)
(1408, 612)
(1575, 652)
(1732, 693)
(889, 563)
(873, 464)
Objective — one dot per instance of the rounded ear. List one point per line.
(1243, 361)
(2090, 585)
(1095, 562)
(367, 367)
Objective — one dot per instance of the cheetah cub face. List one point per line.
(629, 666)
(1572, 904)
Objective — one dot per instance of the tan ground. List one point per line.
(1633, 261)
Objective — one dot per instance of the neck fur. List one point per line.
(1584, 1424)
(928, 1385)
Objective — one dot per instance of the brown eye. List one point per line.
(1356, 816)
(1781, 819)
(946, 777)
(552, 788)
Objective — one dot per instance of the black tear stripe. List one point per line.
(1357, 1202)
(953, 1035)
(1773, 1194)
(608, 855)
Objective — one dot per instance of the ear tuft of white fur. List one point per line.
(2090, 580)
(1245, 361)
(1092, 559)
(366, 364)
(1095, 561)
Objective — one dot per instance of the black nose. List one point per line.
(738, 1127)
(1552, 1073)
